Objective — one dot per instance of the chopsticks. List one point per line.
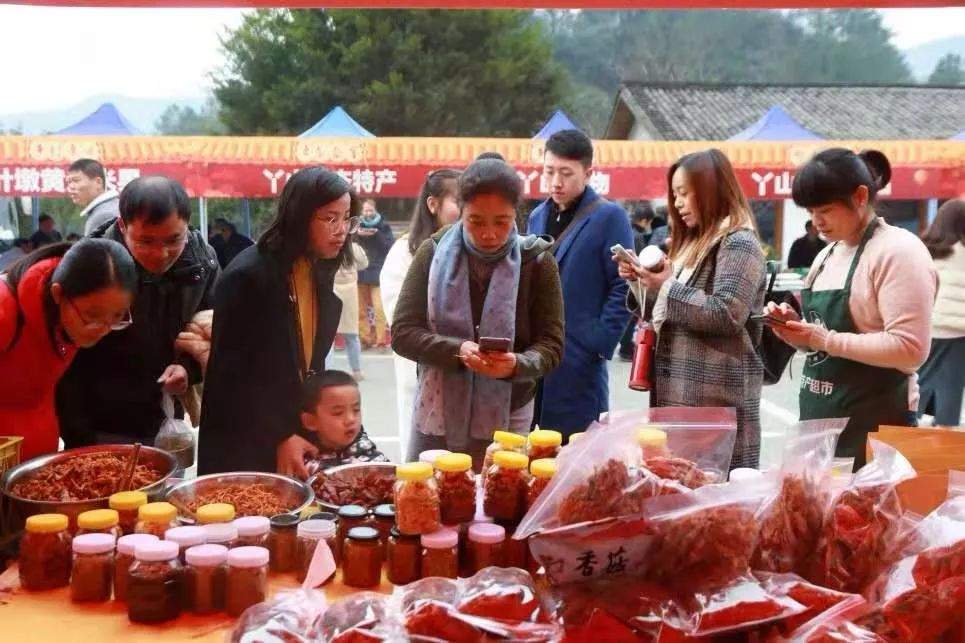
(129, 475)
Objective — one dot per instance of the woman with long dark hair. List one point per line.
(867, 302)
(275, 317)
(701, 301)
(437, 206)
(942, 378)
(53, 302)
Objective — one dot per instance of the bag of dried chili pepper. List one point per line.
(814, 598)
(289, 617)
(863, 523)
(741, 605)
(705, 539)
(835, 625)
(618, 467)
(791, 520)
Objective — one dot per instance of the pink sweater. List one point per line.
(892, 295)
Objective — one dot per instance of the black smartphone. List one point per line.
(495, 344)
(767, 319)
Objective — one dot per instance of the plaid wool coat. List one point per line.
(706, 349)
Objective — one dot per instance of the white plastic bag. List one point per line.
(175, 436)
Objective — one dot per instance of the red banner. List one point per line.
(766, 182)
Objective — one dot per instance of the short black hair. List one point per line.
(314, 385)
(90, 168)
(491, 155)
(154, 198)
(571, 144)
(832, 176)
(44, 218)
(20, 242)
(808, 225)
(490, 176)
(643, 212)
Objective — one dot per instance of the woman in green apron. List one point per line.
(866, 303)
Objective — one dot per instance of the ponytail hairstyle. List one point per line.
(946, 230)
(85, 267)
(833, 175)
(424, 223)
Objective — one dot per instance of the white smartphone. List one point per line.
(624, 255)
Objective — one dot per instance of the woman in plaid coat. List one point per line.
(701, 300)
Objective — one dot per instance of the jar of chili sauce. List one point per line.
(45, 553)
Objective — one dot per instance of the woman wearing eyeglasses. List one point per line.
(53, 302)
(275, 317)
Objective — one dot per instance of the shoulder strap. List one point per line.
(585, 210)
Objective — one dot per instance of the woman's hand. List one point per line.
(626, 269)
(290, 456)
(174, 380)
(495, 365)
(653, 281)
(787, 334)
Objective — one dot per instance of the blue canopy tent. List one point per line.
(558, 121)
(106, 120)
(775, 125)
(337, 123)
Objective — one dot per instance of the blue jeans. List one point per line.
(353, 350)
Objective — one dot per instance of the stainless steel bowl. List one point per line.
(160, 460)
(350, 473)
(294, 492)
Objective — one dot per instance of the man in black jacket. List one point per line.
(112, 392)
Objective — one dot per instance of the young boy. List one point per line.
(332, 410)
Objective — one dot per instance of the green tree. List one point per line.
(178, 120)
(848, 46)
(948, 71)
(455, 73)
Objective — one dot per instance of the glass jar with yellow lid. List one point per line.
(126, 504)
(156, 518)
(417, 505)
(503, 441)
(214, 513)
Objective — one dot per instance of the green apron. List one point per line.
(835, 387)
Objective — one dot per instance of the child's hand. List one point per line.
(290, 456)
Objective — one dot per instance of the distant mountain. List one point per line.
(142, 112)
(923, 58)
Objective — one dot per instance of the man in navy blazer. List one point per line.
(585, 227)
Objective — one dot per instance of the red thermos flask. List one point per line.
(643, 358)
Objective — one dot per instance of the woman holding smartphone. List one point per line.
(701, 298)
(473, 280)
(867, 302)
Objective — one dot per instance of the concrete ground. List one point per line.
(779, 405)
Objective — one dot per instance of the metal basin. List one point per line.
(355, 475)
(160, 460)
(293, 492)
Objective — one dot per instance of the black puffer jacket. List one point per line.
(112, 387)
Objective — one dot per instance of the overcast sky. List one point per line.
(55, 57)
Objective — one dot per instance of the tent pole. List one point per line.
(203, 214)
(246, 215)
(35, 211)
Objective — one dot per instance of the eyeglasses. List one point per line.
(124, 322)
(166, 244)
(337, 223)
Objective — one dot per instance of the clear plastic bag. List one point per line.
(289, 617)
(836, 625)
(742, 604)
(791, 521)
(605, 476)
(863, 523)
(175, 436)
(814, 598)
